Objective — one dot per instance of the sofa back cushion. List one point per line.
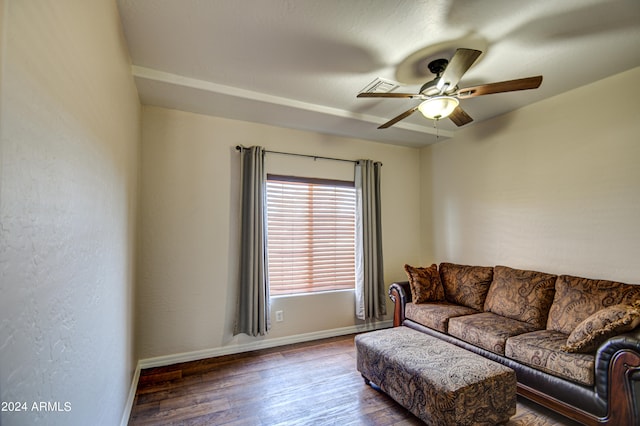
(521, 295)
(578, 298)
(466, 285)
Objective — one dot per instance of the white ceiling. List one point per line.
(301, 63)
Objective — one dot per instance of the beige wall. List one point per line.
(554, 186)
(69, 138)
(548, 187)
(189, 227)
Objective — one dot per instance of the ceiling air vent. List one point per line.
(380, 85)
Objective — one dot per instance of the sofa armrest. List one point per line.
(400, 294)
(617, 375)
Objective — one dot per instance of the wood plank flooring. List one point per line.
(313, 383)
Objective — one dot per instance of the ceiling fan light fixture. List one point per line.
(438, 107)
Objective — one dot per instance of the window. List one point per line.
(310, 234)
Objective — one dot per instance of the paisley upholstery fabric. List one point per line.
(521, 295)
(425, 284)
(597, 328)
(487, 330)
(552, 323)
(435, 315)
(542, 349)
(578, 298)
(466, 285)
(440, 383)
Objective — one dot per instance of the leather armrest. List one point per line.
(403, 289)
(607, 352)
(617, 376)
(400, 294)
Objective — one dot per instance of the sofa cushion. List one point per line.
(487, 330)
(597, 328)
(466, 285)
(425, 284)
(578, 298)
(542, 350)
(521, 295)
(435, 315)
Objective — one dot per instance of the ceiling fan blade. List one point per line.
(398, 118)
(500, 87)
(390, 95)
(460, 117)
(458, 65)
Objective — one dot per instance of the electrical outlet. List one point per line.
(279, 316)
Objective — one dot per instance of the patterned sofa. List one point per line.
(573, 342)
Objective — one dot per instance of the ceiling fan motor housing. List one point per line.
(430, 88)
(437, 67)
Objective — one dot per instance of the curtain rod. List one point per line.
(315, 157)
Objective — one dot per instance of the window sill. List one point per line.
(315, 293)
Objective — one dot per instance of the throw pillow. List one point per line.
(425, 284)
(597, 328)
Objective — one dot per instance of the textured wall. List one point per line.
(69, 133)
(554, 186)
(189, 226)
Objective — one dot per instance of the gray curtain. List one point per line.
(252, 315)
(370, 294)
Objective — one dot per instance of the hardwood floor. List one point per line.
(313, 383)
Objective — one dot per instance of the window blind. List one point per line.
(310, 235)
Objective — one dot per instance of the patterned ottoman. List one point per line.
(439, 382)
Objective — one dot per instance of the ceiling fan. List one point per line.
(441, 95)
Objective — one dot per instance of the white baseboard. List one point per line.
(162, 361)
(132, 396)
